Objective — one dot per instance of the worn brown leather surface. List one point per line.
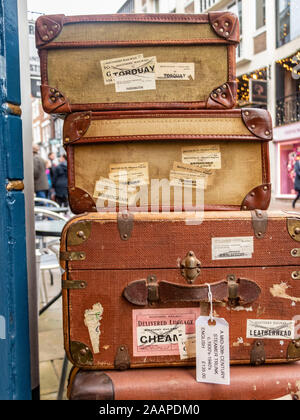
(95, 140)
(64, 40)
(247, 383)
(156, 248)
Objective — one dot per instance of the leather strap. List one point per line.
(144, 292)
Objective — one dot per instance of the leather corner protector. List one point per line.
(48, 28)
(258, 122)
(90, 387)
(223, 97)
(80, 201)
(258, 199)
(226, 25)
(75, 126)
(53, 100)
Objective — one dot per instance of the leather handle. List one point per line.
(234, 292)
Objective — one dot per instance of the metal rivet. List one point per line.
(45, 38)
(266, 188)
(219, 90)
(52, 90)
(53, 98)
(45, 26)
(122, 348)
(297, 231)
(224, 86)
(83, 352)
(86, 195)
(80, 234)
(253, 126)
(215, 95)
(227, 34)
(224, 95)
(221, 30)
(67, 139)
(82, 285)
(227, 24)
(247, 113)
(54, 26)
(87, 117)
(51, 32)
(216, 24)
(245, 208)
(125, 236)
(252, 194)
(297, 345)
(268, 133)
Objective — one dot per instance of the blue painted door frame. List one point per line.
(14, 328)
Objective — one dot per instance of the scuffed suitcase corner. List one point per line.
(259, 122)
(80, 201)
(75, 126)
(258, 199)
(226, 25)
(48, 28)
(54, 101)
(223, 97)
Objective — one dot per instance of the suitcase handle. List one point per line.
(234, 292)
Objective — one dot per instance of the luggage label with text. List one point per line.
(159, 332)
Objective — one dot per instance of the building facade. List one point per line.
(268, 68)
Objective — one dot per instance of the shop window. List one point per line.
(260, 13)
(288, 17)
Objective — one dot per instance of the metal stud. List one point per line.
(253, 126)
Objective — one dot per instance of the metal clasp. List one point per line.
(190, 267)
(233, 291)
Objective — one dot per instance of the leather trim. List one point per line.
(80, 201)
(75, 126)
(226, 25)
(224, 96)
(97, 386)
(258, 122)
(54, 101)
(258, 199)
(137, 293)
(48, 28)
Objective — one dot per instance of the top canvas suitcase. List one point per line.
(119, 62)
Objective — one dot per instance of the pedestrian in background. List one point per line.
(297, 179)
(60, 182)
(41, 185)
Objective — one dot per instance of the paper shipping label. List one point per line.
(232, 248)
(175, 71)
(140, 76)
(156, 331)
(208, 157)
(114, 66)
(270, 329)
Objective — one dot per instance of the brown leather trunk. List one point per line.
(238, 179)
(262, 383)
(84, 44)
(131, 283)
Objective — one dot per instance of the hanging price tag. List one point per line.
(212, 349)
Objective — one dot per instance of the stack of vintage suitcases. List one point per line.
(152, 139)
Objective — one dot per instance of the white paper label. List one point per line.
(232, 248)
(207, 157)
(140, 76)
(270, 329)
(212, 351)
(175, 71)
(109, 67)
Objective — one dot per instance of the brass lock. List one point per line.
(190, 267)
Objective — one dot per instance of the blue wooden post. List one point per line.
(14, 328)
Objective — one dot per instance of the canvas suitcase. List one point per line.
(113, 62)
(134, 285)
(171, 384)
(229, 148)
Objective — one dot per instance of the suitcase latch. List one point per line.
(122, 359)
(190, 267)
(259, 223)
